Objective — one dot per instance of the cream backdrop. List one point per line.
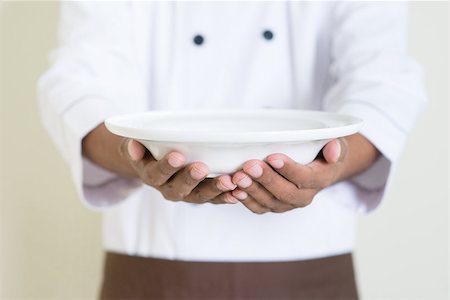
(50, 244)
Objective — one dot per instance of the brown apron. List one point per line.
(132, 277)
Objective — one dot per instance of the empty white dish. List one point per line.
(225, 139)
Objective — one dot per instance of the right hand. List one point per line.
(176, 180)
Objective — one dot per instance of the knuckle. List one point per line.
(168, 196)
(152, 180)
(149, 181)
(180, 195)
(171, 193)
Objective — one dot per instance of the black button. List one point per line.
(198, 39)
(268, 35)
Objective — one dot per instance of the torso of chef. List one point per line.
(234, 55)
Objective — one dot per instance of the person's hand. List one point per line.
(176, 180)
(170, 175)
(280, 184)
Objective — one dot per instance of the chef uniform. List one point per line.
(125, 57)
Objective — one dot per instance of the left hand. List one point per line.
(280, 184)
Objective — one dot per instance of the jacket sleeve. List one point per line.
(92, 76)
(374, 79)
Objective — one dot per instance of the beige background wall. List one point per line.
(403, 249)
(50, 244)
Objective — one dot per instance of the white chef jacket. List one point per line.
(126, 57)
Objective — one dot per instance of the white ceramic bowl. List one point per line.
(225, 139)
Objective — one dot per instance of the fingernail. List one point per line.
(224, 183)
(245, 182)
(276, 163)
(176, 160)
(134, 155)
(241, 195)
(198, 172)
(255, 171)
(230, 199)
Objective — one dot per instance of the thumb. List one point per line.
(136, 150)
(332, 152)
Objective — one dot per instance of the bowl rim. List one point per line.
(347, 125)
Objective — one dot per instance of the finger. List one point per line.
(125, 149)
(224, 198)
(254, 206)
(256, 191)
(156, 173)
(283, 190)
(332, 151)
(311, 176)
(209, 189)
(136, 150)
(241, 195)
(184, 181)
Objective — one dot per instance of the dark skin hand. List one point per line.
(176, 180)
(277, 184)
